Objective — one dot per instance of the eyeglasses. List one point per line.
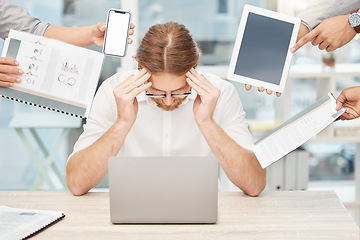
(162, 95)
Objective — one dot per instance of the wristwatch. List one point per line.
(354, 20)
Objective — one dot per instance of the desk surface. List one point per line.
(272, 215)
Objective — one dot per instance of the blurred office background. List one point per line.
(330, 158)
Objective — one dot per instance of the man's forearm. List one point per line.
(79, 36)
(86, 168)
(240, 165)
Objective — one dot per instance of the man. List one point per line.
(165, 109)
(16, 17)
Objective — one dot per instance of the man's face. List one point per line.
(163, 86)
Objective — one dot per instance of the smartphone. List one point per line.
(117, 32)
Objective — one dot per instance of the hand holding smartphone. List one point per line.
(117, 32)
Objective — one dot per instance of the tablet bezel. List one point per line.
(271, 14)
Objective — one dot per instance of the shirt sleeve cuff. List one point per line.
(306, 25)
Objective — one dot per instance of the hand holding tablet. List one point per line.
(261, 55)
(261, 89)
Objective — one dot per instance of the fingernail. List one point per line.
(11, 84)
(18, 80)
(16, 63)
(293, 50)
(21, 71)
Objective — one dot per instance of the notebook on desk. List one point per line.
(17, 223)
(163, 189)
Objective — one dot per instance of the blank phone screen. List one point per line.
(117, 33)
(264, 48)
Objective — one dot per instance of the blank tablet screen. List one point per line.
(264, 48)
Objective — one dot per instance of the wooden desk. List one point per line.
(272, 215)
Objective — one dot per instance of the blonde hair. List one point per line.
(168, 48)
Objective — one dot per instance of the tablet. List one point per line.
(261, 55)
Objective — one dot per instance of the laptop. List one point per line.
(163, 189)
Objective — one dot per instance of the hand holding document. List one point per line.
(297, 130)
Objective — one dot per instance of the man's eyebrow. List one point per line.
(171, 90)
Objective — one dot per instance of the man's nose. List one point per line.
(168, 100)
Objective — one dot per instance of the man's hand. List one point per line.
(330, 34)
(208, 94)
(125, 96)
(6, 68)
(261, 89)
(303, 30)
(99, 33)
(349, 98)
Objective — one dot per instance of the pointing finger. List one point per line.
(305, 39)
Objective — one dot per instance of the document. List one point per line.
(297, 130)
(16, 223)
(57, 76)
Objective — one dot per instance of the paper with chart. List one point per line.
(297, 130)
(57, 76)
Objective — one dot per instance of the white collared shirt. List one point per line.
(165, 133)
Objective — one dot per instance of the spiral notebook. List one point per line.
(17, 223)
(57, 76)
